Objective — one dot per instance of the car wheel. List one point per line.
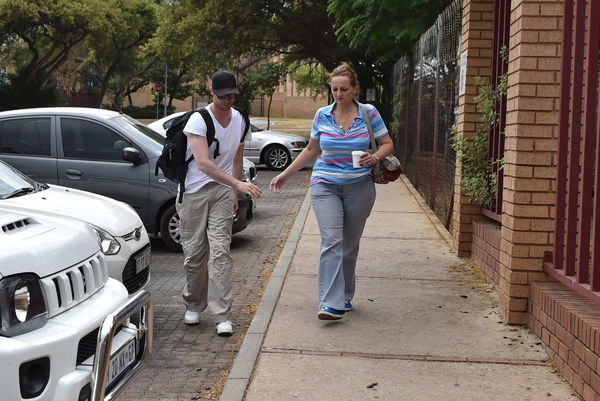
(169, 229)
(277, 157)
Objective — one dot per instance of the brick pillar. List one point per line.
(529, 160)
(477, 30)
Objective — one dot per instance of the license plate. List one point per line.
(143, 261)
(121, 361)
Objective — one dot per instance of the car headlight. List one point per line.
(298, 144)
(22, 304)
(108, 243)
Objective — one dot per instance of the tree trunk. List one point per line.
(269, 112)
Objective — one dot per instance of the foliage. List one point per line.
(115, 55)
(17, 93)
(146, 111)
(121, 45)
(312, 77)
(479, 174)
(246, 96)
(210, 36)
(36, 36)
(386, 28)
(266, 78)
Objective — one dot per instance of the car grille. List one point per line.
(87, 345)
(71, 286)
(131, 280)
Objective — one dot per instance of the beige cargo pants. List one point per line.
(206, 220)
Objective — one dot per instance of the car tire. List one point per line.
(277, 157)
(169, 229)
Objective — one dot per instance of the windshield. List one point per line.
(13, 183)
(150, 137)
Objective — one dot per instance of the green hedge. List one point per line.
(147, 111)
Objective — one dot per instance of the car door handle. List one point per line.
(71, 171)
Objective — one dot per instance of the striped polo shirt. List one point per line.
(334, 166)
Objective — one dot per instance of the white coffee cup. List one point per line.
(356, 154)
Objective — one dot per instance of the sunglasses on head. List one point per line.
(228, 96)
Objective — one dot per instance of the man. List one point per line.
(209, 205)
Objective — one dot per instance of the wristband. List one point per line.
(376, 157)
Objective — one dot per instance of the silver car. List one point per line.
(103, 152)
(274, 149)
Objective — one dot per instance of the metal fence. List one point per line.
(575, 259)
(425, 102)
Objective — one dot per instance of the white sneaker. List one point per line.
(225, 329)
(191, 317)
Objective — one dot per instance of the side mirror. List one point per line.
(131, 154)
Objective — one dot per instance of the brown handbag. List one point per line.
(389, 168)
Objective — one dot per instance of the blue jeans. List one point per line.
(341, 212)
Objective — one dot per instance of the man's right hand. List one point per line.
(249, 188)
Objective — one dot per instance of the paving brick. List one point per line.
(189, 360)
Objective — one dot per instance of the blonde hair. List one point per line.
(345, 70)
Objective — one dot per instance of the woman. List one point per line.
(342, 196)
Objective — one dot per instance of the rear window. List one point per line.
(25, 136)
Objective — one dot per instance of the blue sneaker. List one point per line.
(348, 306)
(330, 314)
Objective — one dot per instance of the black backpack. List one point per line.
(172, 161)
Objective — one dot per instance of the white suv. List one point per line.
(68, 332)
(125, 242)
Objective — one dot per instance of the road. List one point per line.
(191, 362)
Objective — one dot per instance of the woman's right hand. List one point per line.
(277, 182)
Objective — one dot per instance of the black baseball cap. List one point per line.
(224, 83)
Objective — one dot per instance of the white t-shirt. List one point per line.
(229, 141)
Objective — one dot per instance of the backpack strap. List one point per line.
(244, 114)
(210, 131)
(182, 175)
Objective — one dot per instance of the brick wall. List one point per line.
(569, 326)
(477, 28)
(530, 146)
(486, 248)
(286, 106)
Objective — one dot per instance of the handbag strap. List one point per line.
(369, 128)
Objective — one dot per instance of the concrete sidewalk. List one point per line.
(424, 324)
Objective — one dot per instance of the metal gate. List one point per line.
(576, 257)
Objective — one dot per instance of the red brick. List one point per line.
(573, 361)
(595, 382)
(590, 359)
(584, 372)
(588, 393)
(579, 349)
(577, 383)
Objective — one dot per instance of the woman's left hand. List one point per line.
(368, 160)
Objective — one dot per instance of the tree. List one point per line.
(298, 30)
(37, 36)
(266, 78)
(387, 29)
(312, 77)
(115, 54)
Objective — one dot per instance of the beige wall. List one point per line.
(478, 23)
(530, 149)
(530, 142)
(287, 102)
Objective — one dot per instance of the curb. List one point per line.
(243, 365)
(433, 218)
